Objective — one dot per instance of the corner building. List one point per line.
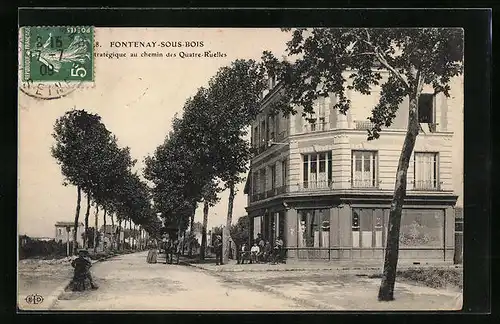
(326, 190)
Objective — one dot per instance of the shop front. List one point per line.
(338, 230)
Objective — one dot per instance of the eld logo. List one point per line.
(34, 299)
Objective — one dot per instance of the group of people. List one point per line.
(167, 246)
(262, 251)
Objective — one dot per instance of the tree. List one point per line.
(240, 232)
(76, 133)
(181, 166)
(411, 57)
(234, 91)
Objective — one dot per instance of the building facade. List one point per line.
(62, 234)
(320, 185)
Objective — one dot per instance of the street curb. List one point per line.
(321, 306)
(59, 291)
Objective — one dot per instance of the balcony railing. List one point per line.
(363, 124)
(269, 193)
(426, 185)
(316, 185)
(329, 185)
(364, 183)
(315, 127)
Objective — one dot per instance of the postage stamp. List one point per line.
(58, 54)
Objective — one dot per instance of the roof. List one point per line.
(64, 224)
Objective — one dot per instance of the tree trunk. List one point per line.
(120, 233)
(77, 216)
(87, 214)
(229, 220)
(130, 242)
(112, 231)
(191, 234)
(204, 230)
(386, 291)
(104, 224)
(96, 230)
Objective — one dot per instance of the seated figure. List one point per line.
(268, 251)
(244, 254)
(82, 274)
(254, 252)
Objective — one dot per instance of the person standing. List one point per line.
(218, 250)
(153, 253)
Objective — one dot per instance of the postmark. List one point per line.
(55, 60)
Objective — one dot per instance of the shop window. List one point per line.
(367, 228)
(422, 228)
(257, 225)
(314, 228)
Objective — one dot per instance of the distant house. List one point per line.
(62, 234)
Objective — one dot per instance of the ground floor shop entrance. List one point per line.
(357, 231)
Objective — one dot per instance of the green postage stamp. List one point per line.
(57, 54)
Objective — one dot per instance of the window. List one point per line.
(262, 180)
(273, 176)
(426, 108)
(314, 228)
(422, 228)
(256, 136)
(322, 123)
(255, 182)
(271, 127)
(278, 226)
(257, 226)
(59, 231)
(364, 169)
(272, 124)
(317, 170)
(283, 173)
(312, 124)
(367, 228)
(263, 132)
(459, 225)
(426, 171)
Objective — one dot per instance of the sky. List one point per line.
(137, 99)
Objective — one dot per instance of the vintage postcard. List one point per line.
(258, 169)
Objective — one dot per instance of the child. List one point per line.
(82, 266)
(254, 252)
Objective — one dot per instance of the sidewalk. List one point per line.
(47, 278)
(335, 285)
(368, 266)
